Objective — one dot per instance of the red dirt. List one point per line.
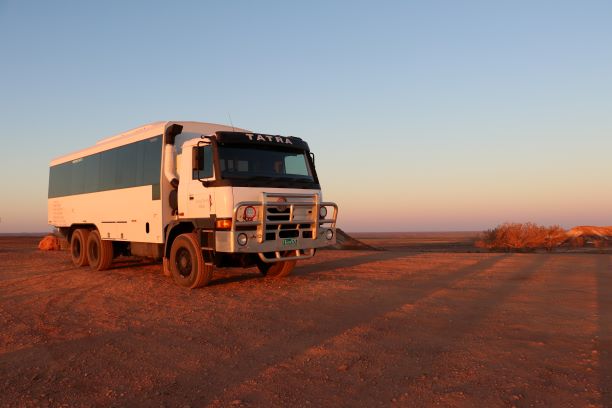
(349, 328)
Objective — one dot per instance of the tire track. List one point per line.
(248, 363)
(353, 348)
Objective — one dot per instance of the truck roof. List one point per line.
(144, 132)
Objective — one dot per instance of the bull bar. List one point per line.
(303, 215)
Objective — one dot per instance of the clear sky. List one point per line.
(424, 115)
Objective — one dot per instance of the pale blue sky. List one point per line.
(431, 115)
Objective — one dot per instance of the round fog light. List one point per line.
(323, 212)
(329, 234)
(242, 239)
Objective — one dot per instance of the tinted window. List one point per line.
(126, 169)
(239, 162)
(60, 180)
(151, 160)
(92, 173)
(132, 165)
(107, 169)
(296, 165)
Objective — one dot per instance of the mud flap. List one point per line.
(166, 267)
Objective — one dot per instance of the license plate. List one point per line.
(289, 241)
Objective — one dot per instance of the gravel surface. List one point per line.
(347, 329)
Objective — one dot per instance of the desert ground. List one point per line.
(429, 325)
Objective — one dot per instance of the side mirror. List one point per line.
(197, 159)
(202, 163)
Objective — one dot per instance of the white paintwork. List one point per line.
(123, 214)
(170, 163)
(145, 132)
(195, 201)
(109, 212)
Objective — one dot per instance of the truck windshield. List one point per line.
(264, 163)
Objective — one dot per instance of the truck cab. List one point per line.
(250, 199)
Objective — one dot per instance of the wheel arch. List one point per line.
(175, 229)
(70, 230)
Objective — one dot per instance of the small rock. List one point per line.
(50, 243)
(343, 367)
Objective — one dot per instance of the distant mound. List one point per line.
(590, 231)
(589, 236)
(345, 241)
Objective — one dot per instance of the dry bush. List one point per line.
(527, 236)
(601, 243)
(577, 242)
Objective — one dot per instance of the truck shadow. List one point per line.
(326, 266)
(349, 262)
(126, 263)
(244, 277)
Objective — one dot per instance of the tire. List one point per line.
(78, 247)
(276, 269)
(99, 252)
(187, 263)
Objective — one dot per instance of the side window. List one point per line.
(131, 165)
(151, 161)
(202, 162)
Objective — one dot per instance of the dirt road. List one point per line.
(349, 328)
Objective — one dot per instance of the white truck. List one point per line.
(194, 195)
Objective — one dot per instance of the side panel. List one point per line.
(119, 214)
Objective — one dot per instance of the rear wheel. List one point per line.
(78, 247)
(99, 252)
(187, 263)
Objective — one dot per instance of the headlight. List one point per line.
(281, 208)
(323, 212)
(329, 234)
(250, 213)
(242, 239)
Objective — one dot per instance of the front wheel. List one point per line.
(187, 263)
(276, 269)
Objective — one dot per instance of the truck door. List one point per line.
(198, 200)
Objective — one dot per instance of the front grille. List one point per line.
(275, 214)
(289, 234)
(295, 217)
